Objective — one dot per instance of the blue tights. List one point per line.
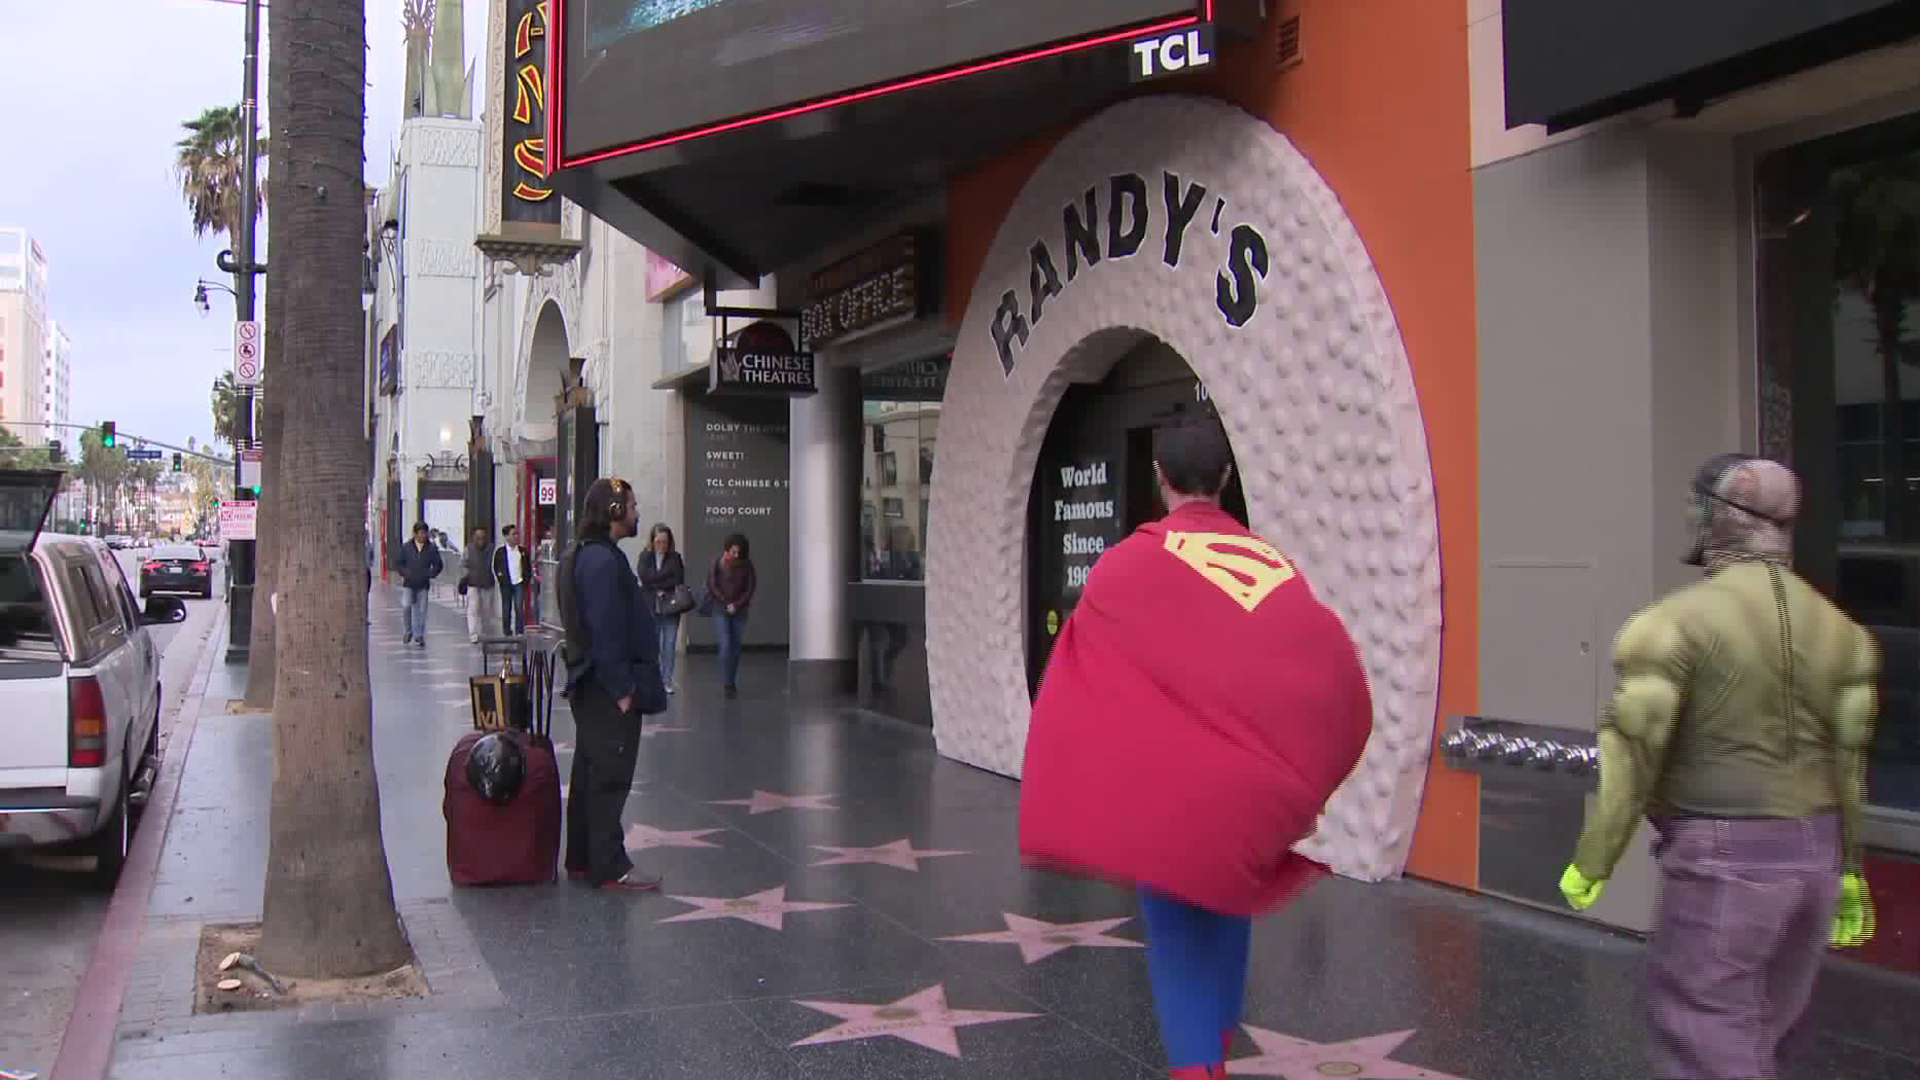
(1198, 963)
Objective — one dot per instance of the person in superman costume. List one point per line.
(1198, 710)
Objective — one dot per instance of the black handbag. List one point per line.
(675, 601)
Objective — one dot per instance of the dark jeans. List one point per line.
(510, 611)
(727, 628)
(606, 749)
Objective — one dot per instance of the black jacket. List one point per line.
(500, 567)
(609, 626)
(662, 579)
(418, 566)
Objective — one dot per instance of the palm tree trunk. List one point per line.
(329, 909)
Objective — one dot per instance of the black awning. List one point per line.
(1570, 63)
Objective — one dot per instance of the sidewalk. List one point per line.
(855, 911)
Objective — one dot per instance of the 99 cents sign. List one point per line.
(246, 353)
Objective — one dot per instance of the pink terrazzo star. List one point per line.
(1039, 939)
(769, 909)
(901, 855)
(922, 1019)
(766, 802)
(1298, 1059)
(642, 837)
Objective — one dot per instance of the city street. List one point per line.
(50, 911)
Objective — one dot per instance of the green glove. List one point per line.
(1853, 919)
(1579, 891)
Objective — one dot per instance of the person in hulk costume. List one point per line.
(1739, 725)
(1198, 710)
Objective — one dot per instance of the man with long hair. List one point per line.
(1740, 720)
(613, 679)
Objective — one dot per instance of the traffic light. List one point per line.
(56, 453)
(177, 465)
(106, 434)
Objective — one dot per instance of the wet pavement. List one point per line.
(842, 903)
(51, 909)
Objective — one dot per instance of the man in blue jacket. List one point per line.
(419, 563)
(613, 679)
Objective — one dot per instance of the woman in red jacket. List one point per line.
(1187, 765)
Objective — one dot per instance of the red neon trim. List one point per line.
(915, 82)
(556, 81)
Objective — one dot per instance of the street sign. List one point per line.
(250, 469)
(549, 493)
(246, 353)
(143, 455)
(236, 520)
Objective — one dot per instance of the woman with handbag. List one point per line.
(663, 573)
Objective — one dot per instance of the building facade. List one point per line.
(25, 331)
(58, 394)
(1472, 294)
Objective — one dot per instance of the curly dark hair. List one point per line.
(596, 511)
(737, 540)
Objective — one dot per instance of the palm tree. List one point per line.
(224, 396)
(208, 163)
(1877, 254)
(328, 909)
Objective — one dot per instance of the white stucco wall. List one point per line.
(1313, 386)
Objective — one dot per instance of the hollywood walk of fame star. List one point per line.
(922, 1019)
(642, 837)
(1298, 1059)
(769, 909)
(1039, 939)
(901, 855)
(766, 802)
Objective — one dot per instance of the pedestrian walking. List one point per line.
(512, 569)
(664, 573)
(477, 567)
(418, 563)
(730, 587)
(1742, 711)
(1198, 709)
(613, 679)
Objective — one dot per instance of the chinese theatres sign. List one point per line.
(525, 193)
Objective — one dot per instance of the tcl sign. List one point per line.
(1173, 53)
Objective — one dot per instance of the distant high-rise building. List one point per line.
(59, 389)
(25, 332)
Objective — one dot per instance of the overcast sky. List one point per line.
(106, 84)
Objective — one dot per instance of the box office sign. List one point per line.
(762, 362)
(879, 287)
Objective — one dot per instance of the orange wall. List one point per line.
(1379, 106)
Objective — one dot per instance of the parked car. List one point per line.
(177, 568)
(119, 542)
(79, 684)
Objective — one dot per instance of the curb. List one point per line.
(86, 1049)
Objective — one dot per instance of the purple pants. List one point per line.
(1745, 908)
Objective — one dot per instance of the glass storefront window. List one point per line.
(893, 512)
(1838, 239)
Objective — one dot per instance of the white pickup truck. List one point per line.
(79, 684)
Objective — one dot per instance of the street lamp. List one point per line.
(200, 295)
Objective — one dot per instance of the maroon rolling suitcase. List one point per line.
(519, 842)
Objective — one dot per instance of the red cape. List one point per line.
(1198, 710)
